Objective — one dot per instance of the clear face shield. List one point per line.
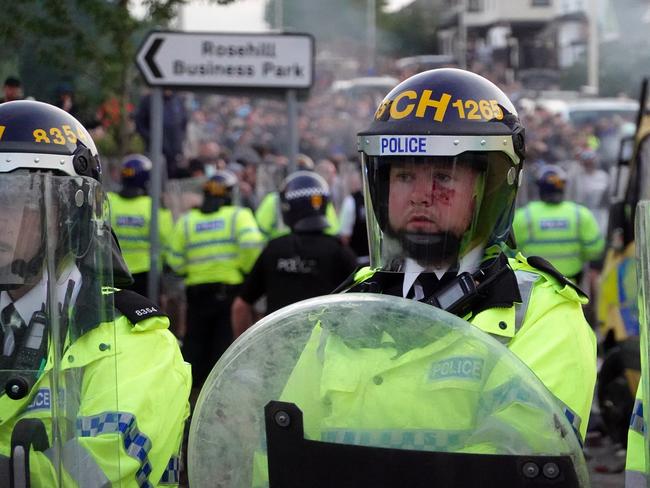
(55, 271)
(436, 211)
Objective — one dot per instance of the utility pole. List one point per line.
(278, 21)
(462, 34)
(593, 54)
(371, 34)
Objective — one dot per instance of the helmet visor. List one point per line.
(434, 210)
(47, 218)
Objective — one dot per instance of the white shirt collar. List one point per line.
(468, 263)
(34, 299)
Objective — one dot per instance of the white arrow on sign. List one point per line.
(192, 59)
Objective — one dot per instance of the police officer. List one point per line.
(563, 232)
(303, 264)
(214, 247)
(443, 157)
(131, 219)
(269, 217)
(354, 231)
(72, 345)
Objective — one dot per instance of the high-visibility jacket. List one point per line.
(566, 234)
(373, 396)
(636, 475)
(131, 221)
(269, 217)
(217, 247)
(549, 333)
(129, 425)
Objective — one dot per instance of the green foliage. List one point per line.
(410, 31)
(87, 44)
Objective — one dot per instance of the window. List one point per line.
(474, 5)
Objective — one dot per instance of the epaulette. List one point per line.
(543, 265)
(135, 307)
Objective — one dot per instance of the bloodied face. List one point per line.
(431, 198)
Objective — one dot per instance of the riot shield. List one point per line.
(57, 334)
(642, 232)
(364, 390)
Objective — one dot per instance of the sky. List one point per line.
(240, 16)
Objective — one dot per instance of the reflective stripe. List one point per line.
(636, 420)
(134, 238)
(136, 444)
(212, 257)
(209, 243)
(571, 240)
(246, 230)
(251, 245)
(635, 479)
(172, 473)
(414, 439)
(80, 465)
(525, 282)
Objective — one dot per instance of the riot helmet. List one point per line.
(51, 199)
(136, 169)
(218, 191)
(551, 183)
(441, 164)
(304, 196)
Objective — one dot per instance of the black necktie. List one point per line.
(427, 281)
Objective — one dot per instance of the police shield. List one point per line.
(375, 390)
(57, 364)
(642, 238)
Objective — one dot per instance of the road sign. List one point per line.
(192, 59)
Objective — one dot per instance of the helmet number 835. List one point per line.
(56, 135)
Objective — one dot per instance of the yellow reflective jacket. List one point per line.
(131, 221)
(217, 247)
(269, 218)
(547, 331)
(130, 388)
(334, 385)
(566, 234)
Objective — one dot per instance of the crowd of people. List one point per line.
(242, 237)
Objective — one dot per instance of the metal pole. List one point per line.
(279, 15)
(462, 35)
(371, 34)
(156, 126)
(593, 48)
(292, 120)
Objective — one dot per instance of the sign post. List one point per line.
(250, 63)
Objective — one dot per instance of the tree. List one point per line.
(90, 43)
